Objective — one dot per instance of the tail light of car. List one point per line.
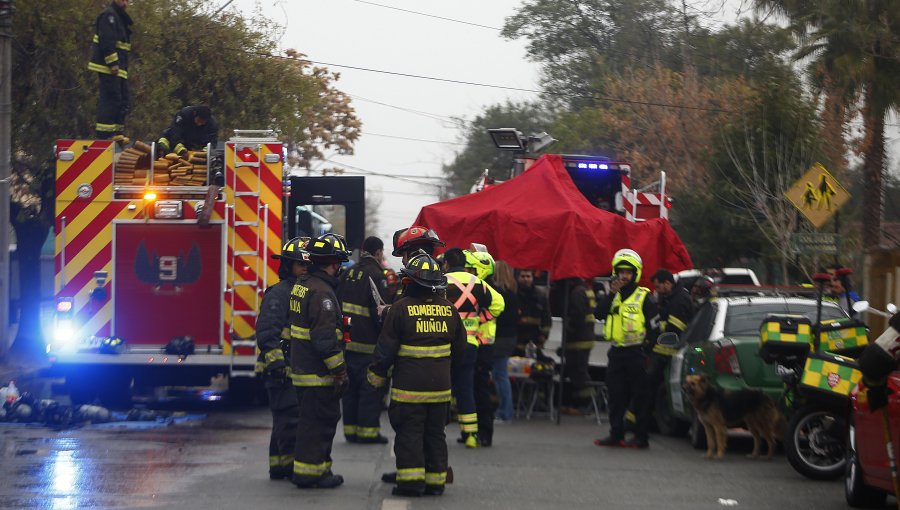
(726, 360)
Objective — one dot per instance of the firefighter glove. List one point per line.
(278, 372)
(341, 383)
(163, 144)
(180, 149)
(878, 396)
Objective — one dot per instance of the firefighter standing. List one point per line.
(318, 371)
(579, 324)
(362, 403)
(675, 310)
(421, 337)
(628, 313)
(109, 59)
(192, 129)
(534, 316)
(469, 296)
(273, 339)
(482, 263)
(409, 240)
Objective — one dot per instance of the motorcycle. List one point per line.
(818, 374)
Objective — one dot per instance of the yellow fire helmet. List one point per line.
(626, 257)
(482, 262)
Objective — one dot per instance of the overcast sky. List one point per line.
(358, 33)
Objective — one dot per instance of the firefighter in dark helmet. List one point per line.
(422, 337)
(357, 292)
(273, 339)
(318, 371)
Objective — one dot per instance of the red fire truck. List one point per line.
(159, 284)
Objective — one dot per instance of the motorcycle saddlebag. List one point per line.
(784, 335)
(830, 373)
(843, 336)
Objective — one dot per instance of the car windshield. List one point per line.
(744, 319)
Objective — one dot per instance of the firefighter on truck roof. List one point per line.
(318, 371)
(273, 339)
(109, 59)
(192, 129)
(422, 337)
(356, 291)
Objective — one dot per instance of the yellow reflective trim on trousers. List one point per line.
(665, 350)
(469, 427)
(112, 57)
(361, 347)
(335, 361)
(435, 478)
(580, 346)
(375, 379)
(420, 397)
(259, 367)
(468, 418)
(431, 351)
(274, 355)
(106, 128)
(368, 432)
(304, 469)
(309, 380)
(299, 333)
(531, 321)
(280, 460)
(410, 474)
(350, 430)
(355, 309)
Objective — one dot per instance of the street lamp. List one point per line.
(511, 139)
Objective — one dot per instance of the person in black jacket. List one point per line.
(192, 129)
(362, 403)
(676, 309)
(109, 59)
(318, 371)
(273, 339)
(579, 324)
(422, 338)
(534, 319)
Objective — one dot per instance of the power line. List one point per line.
(493, 86)
(379, 174)
(429, 15)
(434, 116)
(408, 138)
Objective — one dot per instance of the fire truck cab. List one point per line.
(158, 278)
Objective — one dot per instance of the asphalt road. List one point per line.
(221, 463)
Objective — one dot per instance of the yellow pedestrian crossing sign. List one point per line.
(818, 195)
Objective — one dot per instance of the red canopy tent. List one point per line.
(540, 220)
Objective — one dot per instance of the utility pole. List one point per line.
(6, 11)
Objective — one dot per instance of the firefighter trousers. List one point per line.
(285, 415)
(626, 382)
(463, 381)
(112, 105)
(420, 444)
(484, 407)
(656, 371)
(320, 411)
(362, 402)
(577, 391)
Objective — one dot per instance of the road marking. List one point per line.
(728, 502)
(394, 504)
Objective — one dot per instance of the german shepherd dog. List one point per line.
(718, 409)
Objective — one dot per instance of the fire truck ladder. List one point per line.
(247, 191)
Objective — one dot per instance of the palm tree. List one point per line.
(856, 43)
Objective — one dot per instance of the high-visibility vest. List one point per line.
(625, 324)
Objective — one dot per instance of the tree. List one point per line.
(855, 44)
(181, 55)
(480, 152)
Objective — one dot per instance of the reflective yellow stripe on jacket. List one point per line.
(299, 333)
(420, 397)
(361, 347)
(355, 309)
(431, 351)
(120, 45)
(105, 70)
(310, 380)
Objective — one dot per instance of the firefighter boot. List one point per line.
(472, 440)
(389, 477)
(328, 481)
